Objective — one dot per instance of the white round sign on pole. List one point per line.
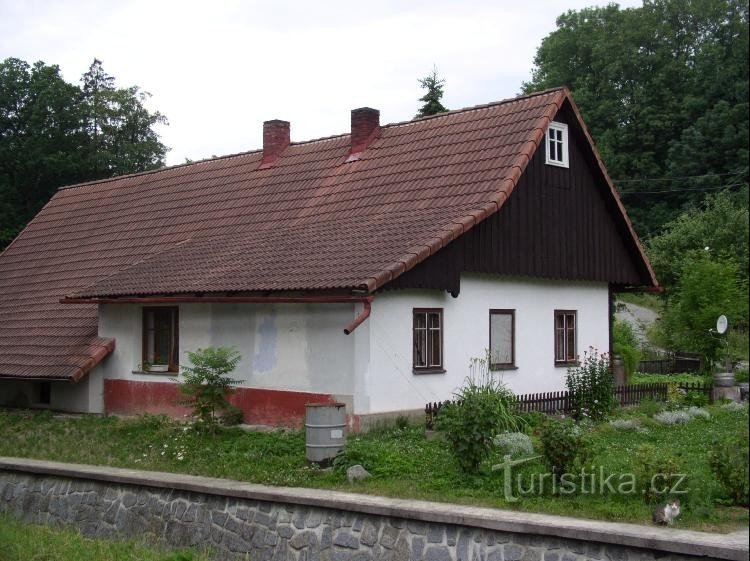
(721, 324)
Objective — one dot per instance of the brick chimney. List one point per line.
(365, 127)
(275, 141)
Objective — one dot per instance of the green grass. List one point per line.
(403, 462)
(641, 378)
(645, 299)
(20, 541)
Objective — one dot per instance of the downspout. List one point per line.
(360, 318)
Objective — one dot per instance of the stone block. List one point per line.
(389, 536)
(129, 499)
(314, 518)
(435, 533)
(437, 553)
(285, 531)
(513, 552)
(303, 539)
(417, 549)
(369, 534)
(344, 538)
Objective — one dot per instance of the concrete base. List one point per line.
(732, 393)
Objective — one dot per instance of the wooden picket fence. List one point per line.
(559, 402)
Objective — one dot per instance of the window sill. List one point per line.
(428, 371)
(155, 373)
(500, 367)
(565, 364)
(557, 164)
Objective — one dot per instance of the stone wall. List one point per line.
(241, 521)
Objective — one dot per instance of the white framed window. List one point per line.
(556, 145)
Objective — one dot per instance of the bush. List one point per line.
(625, 424)
(206, 384)
(562, 444)
(696, 412)
(483, 408)
(698, 399)
(232, 416)
(729, 459)
(656, 472)
(672, 417)
(514, 444)
(741, 375)
(650, 407)
(675, 396)
(625, 344)
(591, 387)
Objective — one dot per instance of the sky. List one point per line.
(218, 69)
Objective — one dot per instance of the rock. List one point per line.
(357, 473)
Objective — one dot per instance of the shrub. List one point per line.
(232, 416)
(625, 344)
(483, 408)
(698, 399)
(562, 443)
(672, 417)
(625, 424)
(734, 407)
(656, 472)
(675, 396)
(650, 407)
(514, 444)
(729, 459)
(696, 412)
(206, 383)
(741, 375)
(591, 387)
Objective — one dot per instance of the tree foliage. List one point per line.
(707, 287)
(434, 86)
(664, 90)
(207, 384)
(718, 227)
(53, 133)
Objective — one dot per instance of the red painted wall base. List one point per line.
(259, 406)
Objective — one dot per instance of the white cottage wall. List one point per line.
(300, 347)
(392, 384)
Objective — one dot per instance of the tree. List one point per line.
(53, 133)
(664, 90)
(207, 384)
(718, 227)
(434, 87)
(707, 288)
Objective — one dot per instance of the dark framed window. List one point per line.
(161, 339)
(428, 339)
(502, 339)
(44, 393)
(565, 337)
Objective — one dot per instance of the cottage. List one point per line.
(367, 267)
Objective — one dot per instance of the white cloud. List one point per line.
(218, 70)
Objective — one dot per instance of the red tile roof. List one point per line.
(312, 221)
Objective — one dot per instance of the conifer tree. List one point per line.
(431, 99)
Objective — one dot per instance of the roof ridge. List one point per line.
(309, 141)
(476, 107)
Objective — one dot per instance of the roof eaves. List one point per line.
(102, 348)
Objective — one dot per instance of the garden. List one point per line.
(600, 461)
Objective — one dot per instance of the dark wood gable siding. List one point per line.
(559, 223)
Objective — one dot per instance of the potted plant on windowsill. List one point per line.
(149, 367)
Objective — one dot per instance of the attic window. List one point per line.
(557, 145)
